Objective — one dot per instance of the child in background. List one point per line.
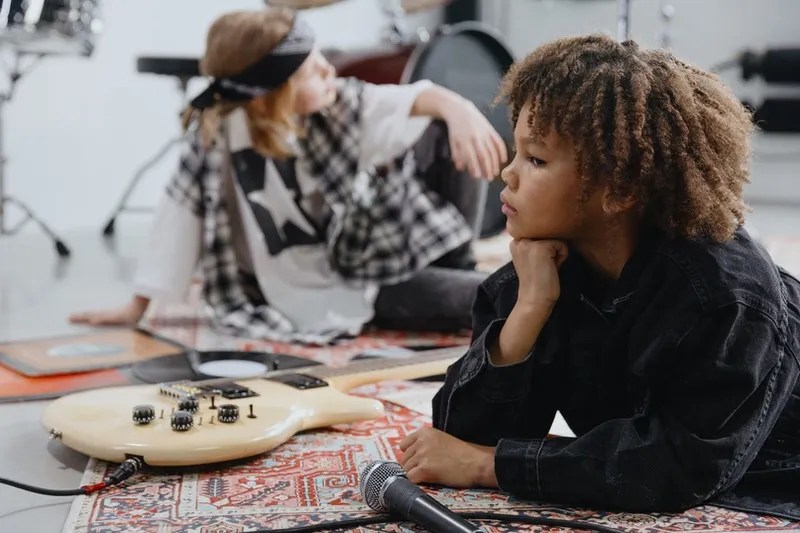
(315, 205)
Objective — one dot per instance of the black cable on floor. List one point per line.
(41, 490)
(125, 470)
(344, 525)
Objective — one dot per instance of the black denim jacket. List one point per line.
(680, 382)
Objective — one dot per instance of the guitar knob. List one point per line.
(228, 413)
(188, 403)
(182, 421)
(144, 414)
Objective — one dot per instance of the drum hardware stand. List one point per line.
(398, 33)
(666, 12)
(623, 20)
(15, 74)
(122, 206)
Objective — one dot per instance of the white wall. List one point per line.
(705, 32)
(78, 127)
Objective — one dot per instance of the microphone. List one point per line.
(778, 114)
(776, 65)
(385, 487)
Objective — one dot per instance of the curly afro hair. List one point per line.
(644, 123)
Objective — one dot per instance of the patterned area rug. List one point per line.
(313, 478)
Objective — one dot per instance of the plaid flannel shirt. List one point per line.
(385, 225)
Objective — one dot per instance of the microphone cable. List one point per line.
(346, 525)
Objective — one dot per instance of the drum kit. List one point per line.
(31, 30)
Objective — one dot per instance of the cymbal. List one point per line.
(301, 4)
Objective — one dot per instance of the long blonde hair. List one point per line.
(236, 41)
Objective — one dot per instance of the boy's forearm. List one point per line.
(485, 473)
(519, 334)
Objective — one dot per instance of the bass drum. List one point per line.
(467, 58)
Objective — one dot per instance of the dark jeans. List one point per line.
(439, 298)
(435, 299)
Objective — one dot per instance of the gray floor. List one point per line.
(28, 456)
(37, 293)
(38, 290)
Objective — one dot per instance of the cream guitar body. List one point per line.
(194, 423)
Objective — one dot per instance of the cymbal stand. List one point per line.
(7, 200)
(623, 20)
(122, 205)
(397, 32)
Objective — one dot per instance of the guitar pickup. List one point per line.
(228, 390)
(300, 381)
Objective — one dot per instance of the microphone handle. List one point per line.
(413, 503)
(428, 512)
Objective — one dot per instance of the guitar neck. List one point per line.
(428, 363)
(367, 371)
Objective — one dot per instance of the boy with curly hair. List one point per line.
(635, 303)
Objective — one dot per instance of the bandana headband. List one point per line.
(267, 74)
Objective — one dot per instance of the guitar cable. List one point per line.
(125, 470)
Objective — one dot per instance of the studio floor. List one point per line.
(38, 290)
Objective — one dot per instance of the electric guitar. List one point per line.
(202, 422)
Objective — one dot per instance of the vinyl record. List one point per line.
(197, 365)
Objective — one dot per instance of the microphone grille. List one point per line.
(373, 478)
